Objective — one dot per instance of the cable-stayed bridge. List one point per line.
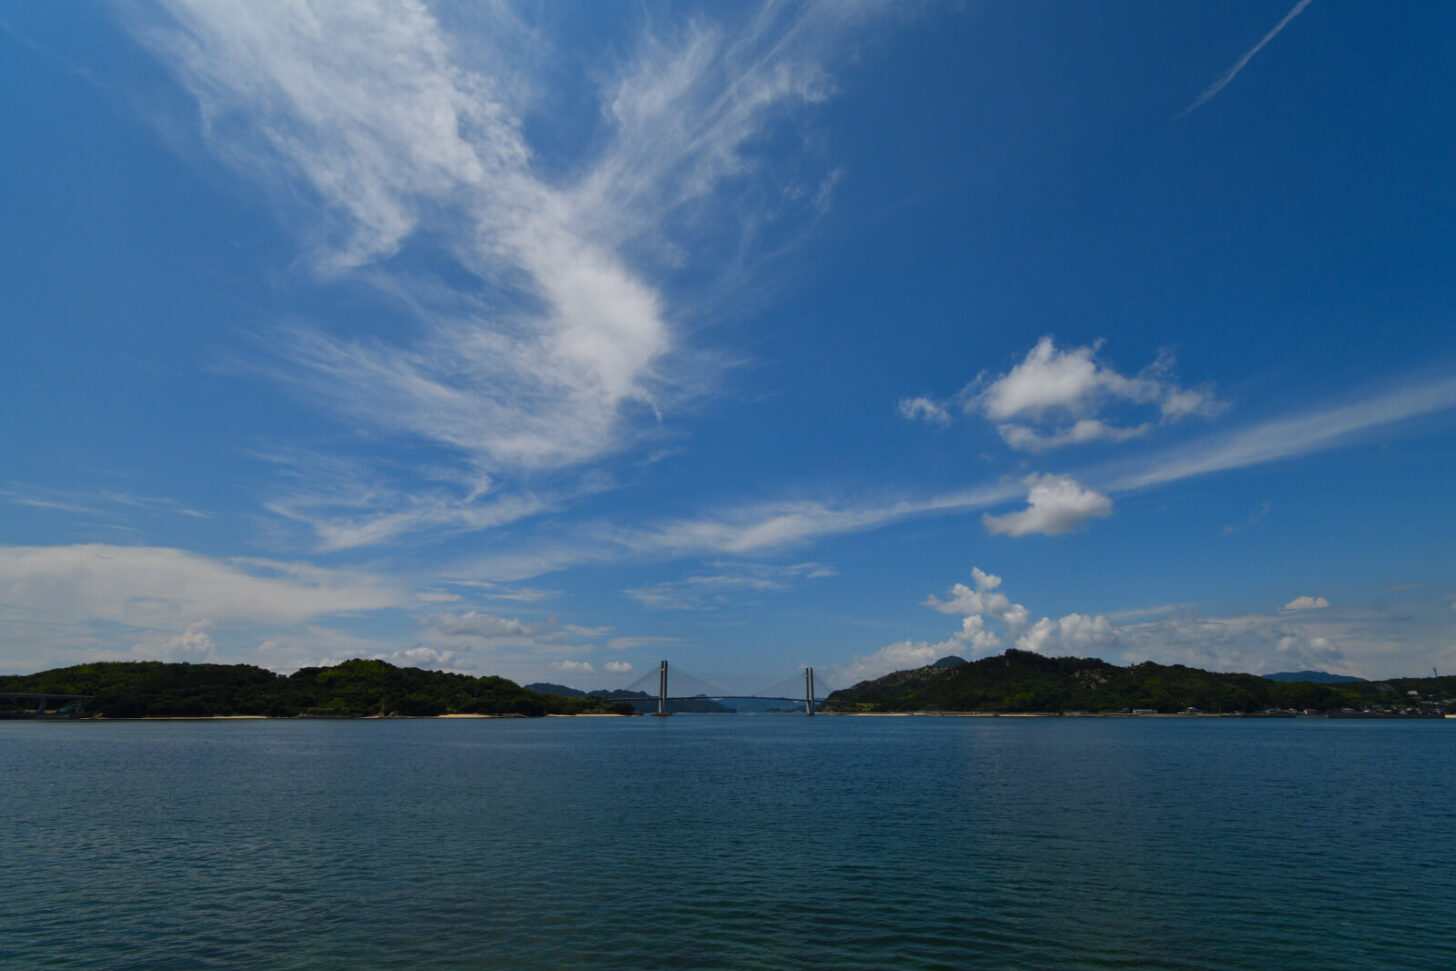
(687, 687)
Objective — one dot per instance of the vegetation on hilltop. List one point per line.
(1019, 681)
(135, 689)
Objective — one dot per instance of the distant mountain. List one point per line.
(1313, 677)
(949, 661)
(560, 690)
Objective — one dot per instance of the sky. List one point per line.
(551, 340)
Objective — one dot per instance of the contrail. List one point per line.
(1229, 75)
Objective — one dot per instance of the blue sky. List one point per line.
(551, 340)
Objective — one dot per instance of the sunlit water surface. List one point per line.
(728, 841)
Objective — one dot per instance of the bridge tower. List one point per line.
(809, 692)
(662, 711)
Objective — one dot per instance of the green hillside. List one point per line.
(1018, 681)
(135, 689)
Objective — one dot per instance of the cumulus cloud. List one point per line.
(1054, 398)
(1056, 504)
(573, 667)
(617, 667)
(1080, 632)
(1307, 603)
(982, 599)
(975, 604)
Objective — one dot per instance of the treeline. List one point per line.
(138, 689)
(641, 701)
(1019, 681)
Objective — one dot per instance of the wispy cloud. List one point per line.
(711, 590)
(1232, 72)
(1290, 437)
(559, 350)
(747, 530)
(769, 527)
(96, 502)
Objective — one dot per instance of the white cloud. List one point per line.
(1056, 504)
(158, 587)
(617, 667)
(1080, 632)
(1255, 643)
(573, 667)
(983, 599)
(1037, 637)
(315, 645)
(1288, 437)
(1053, 398)
(975, 637)
(193, 644)
(742, 530)
(1073, 384)
(931, 411)
(1232, 72)
(558, 351)
(626, 643)
(1072, 633)
(765, 526)
(719, 590)
(1083, 430)
(496, 630)
(1307, 603)
(430, 658)
(1047, 379)
(900, 656)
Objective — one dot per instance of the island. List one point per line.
(1020, 682)
(357, 688)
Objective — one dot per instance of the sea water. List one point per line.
(729, 842)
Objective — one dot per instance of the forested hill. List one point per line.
(1018, 681)
(135, 689)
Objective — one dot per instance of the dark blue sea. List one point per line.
(724, 841)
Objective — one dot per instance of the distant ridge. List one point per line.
(949, 661)
(640, 700)
(560, 690)
(1313, 677)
